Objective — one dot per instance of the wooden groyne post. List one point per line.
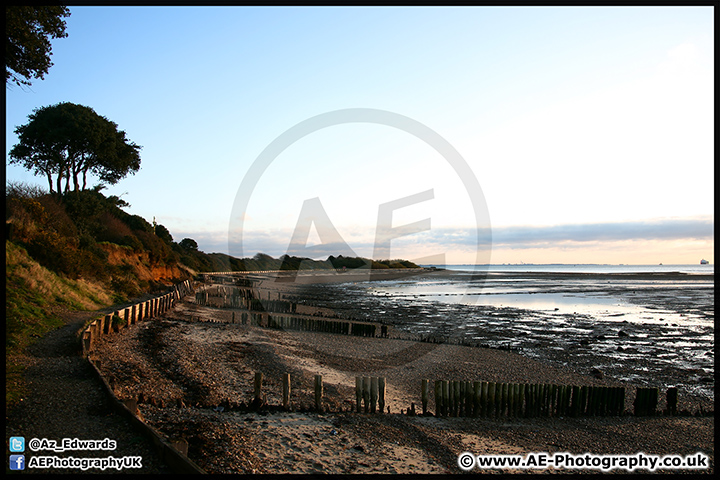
(672, 398)
(286, 391)
(369, 394)
(257, 400)
(424, 395)
(646, 401)
(358, 394)
(381, 394)
(318, 393)
(373, 393)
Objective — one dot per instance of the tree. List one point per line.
(188, 244)
(66, 140)
(27, 46)
(163, 234)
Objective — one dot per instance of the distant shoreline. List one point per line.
(691, 269)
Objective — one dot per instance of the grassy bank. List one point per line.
(35, 299)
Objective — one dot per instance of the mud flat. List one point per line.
(192, 373)
(653, 329)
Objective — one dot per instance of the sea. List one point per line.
(651, 325)
(706, 269)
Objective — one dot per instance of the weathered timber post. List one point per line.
(506, 405)
(612, 400)
(358, 393)
(560, 408)
(286, 389)
(544, 391)
(509, 400)
(438, 398)
(451, 397)
(568, 400)
(605, 400)
(639, 403)
(318, 393)
(537, 399)
(491, 411)
(373, 393)
(514, 391)
(100, 326)
(612, 396)
(87, 341)
(461, 398)
(258, 387)
(584, 397)
(646, 401)
(381, 394)
(592, 400)
(621, 400)
(484, 399)
(469, 399)
(500, 393)
(366, 394)
(477, 392)
(672, 399)
(445, 398)
(599, 400)
(423, 395)
(575, 403)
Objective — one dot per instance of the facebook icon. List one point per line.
(17, 462)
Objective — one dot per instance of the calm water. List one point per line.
(586, 268)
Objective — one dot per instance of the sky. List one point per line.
(455, 135)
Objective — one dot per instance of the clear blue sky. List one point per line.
(589, 130)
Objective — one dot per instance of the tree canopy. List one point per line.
(66, 141)
(28, 32)
(189, 244)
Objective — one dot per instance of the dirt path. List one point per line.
(64, 399)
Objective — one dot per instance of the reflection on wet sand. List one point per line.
(655, 329)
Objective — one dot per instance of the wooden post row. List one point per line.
(369, 394)
(491, 399)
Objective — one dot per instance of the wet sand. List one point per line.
(653, 330)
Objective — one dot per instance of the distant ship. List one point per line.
(704, 262)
